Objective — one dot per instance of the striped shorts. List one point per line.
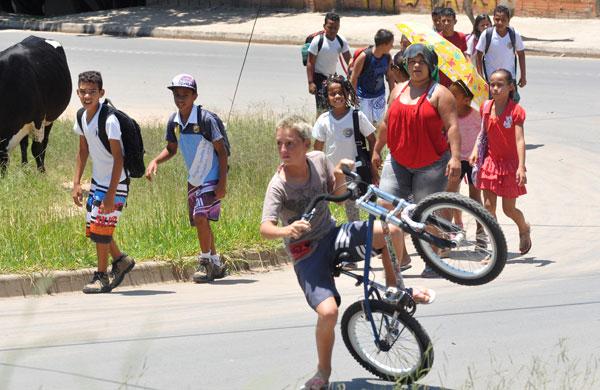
(203, 203)
(99, 226)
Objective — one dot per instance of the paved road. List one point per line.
(560, 100)
(539, 320)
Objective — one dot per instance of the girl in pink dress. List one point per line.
(502, 163)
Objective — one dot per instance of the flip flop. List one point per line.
(405, 267)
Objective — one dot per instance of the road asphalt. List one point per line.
(572, 37)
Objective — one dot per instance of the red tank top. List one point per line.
(414, 132)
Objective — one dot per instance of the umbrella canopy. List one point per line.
(451, 60)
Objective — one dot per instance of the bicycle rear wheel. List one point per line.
(406, 354)
(479, 254)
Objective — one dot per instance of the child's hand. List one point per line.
(296, 229)
(312, 88)
(220, 191)
(376, 160)
(521, 177)
(77, 194)
(151, 169)
(375, 175)
(347, 162)
(522, 82)
(108, 204)
(453, 168)
(473, 159)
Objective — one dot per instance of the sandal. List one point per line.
(423, 296)
(317, 382)
(525, 241)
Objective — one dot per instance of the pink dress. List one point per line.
(499, 169)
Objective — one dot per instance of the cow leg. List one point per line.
(24, 144)
(3, 156)
(38, 149)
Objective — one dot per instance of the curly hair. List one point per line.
(347, 89)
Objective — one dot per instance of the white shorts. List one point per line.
(374, 109)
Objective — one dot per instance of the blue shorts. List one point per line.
(315, 271)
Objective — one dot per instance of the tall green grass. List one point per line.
(41, 229)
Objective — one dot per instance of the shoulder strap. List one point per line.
(339, 39)
(511, 35)
(105, 111)
(206, 133)
(358, 137)
(80, 113)
(488, 38)
(320, 44)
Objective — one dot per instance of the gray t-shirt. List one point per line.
(286, 202)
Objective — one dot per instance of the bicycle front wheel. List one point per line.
(404, 353)
(478, 254)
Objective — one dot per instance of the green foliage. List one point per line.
(41, 228)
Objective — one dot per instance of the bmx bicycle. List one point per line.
(380, 331)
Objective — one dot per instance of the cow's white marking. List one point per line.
(53, 43)
(14, 141)
(28, 129)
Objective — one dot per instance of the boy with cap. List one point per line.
(110, 184)
(196, 132)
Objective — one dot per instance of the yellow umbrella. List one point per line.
(451, 60)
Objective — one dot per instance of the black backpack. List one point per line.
(488, 40)
(131, 135)
(309, 39)
(203, 119)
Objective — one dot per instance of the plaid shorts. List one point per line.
(203, 202)
(99, 226)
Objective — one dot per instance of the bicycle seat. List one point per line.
(340, 258)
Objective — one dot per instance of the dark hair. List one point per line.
(332, 16)
(465, 91)
(91, 76)
(398, 63)
(508, 76)
(448, 12)
(502, 9)
(347, 89)
(478, 20)
(437, 11)
(383, 36)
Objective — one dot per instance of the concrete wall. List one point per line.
(543, 8)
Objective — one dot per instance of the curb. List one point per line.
(115, 29)
(146, 272)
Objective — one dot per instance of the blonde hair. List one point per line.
(297, 123)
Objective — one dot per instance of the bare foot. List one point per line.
(423, 295)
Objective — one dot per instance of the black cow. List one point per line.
(35, 85)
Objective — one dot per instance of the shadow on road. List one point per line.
(533, 146)
(228, 282)
(376, 384)
(514, 258)
(134, 293)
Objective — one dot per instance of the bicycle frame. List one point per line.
(370, 287)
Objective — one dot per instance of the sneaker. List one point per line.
(429, 273)
(206, 272)
(220, 271)
(120, 268)
(99, 284)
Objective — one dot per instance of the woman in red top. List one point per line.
(502, 171)
(413, 129)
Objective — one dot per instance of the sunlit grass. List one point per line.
(43, 230)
